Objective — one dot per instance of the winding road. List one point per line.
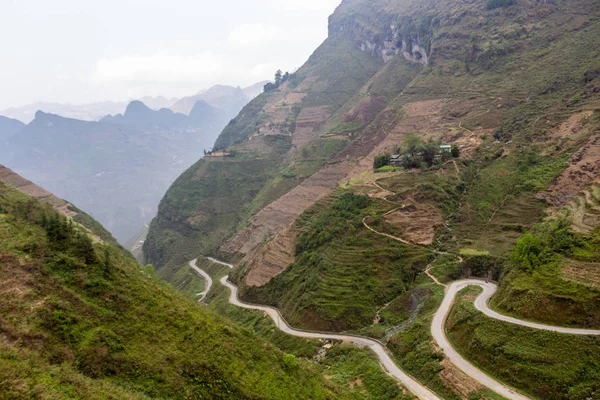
(209, 281)
(438, 332)
(386, 361)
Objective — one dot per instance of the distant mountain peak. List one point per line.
(40, 114)
(136, 107)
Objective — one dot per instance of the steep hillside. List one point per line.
(80, 319)
(275, 141)
(493, 108)
(514, 87)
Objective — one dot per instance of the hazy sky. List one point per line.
(77, 51)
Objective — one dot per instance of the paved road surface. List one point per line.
(207, 277)
(489, 289)
(438, 332)
(415, 387)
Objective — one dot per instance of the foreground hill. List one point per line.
(80, 319)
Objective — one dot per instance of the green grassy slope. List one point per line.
(202, 208)
(83, 320)
(545, 364)
(343, 272)
(346, 365)
(536, 288)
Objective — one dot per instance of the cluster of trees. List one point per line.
(280, 79)
(544, 246)
(63, 236)
(415, 153)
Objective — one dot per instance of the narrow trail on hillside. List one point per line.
(384, 234)
(438, 331)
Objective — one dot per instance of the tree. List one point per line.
(430, 150)
(269, 87)
(412, 144)
(278, 77)
(455, 151)
(527, 251)
(85, 248)
(493, 4)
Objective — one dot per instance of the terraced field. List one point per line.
(326, 288)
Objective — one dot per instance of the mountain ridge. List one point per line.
(511, 86)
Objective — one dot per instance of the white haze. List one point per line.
(75, 51)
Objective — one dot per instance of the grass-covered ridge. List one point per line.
(83, 320)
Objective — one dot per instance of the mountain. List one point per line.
(158, 102)
(227, 98)
(494, 109)
(85, 112)
(138, 115)
(117, 169)
(9, 127)
(222, 97)
(79, 318)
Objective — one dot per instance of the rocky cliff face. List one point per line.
(386, 33)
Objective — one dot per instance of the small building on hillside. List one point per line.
(218, 154)
(445, 148)
(397, 160)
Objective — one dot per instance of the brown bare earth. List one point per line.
(584, 210)
(277, 111)
(422, 118)
(587, 273)
(267, 258)
(308, 127)
(273, 258)
(10, 177)
(418, 222)
(571, 127)
(583, 169)
(461, 383)
(281, 214)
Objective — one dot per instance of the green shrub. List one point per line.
(381, 160)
